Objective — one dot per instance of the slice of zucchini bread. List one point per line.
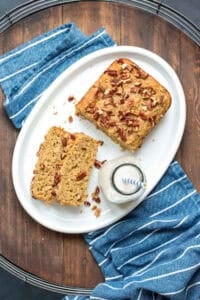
(63, 167)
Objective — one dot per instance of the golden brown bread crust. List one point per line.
(125, 102)
(63, 167)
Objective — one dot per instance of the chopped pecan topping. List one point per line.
(120, 61)
(42, 166)
(129, 80)
(71, 98)
(134, 89)
(108, 112)
(137, 83)
(124, 66)
(81, 175)
(64, 141)
(112, 73)
(95, 195)
(161, 99)
(96, 199)
(132, 123)
(98, 164)
(99, 91)
(58, 166)
(147, 92)
(90, 108)
(70, 119)
(57, 178)
(96, 116)
(152, 120)
(72, 136)
(87, 203)
(97, 190)
(62, 156)
(112, 123)
(104, 121)
(130, 103)
(153, 103)
(124, 76)
(97, 212)
(139, 73)
(101, 143)
(53, 193)
(122, 134)
(143, 116)
(126, 95)
(143, 75)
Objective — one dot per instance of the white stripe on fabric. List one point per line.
(32, 45)
(164, 275)
(91, 233)
(153, 278)
(174, 163)
(148, 251)
(108, 230)
(57, 61)
(140, 294)
(114, 277)
(103, 261)
(174, 204)
(141, 227)
(139, 273)
(173, 293)
(25, 106)
(198, 236)
(191, 286)
(17, 72)
(181, 222)
(166, 187)
(142, 240)
(186, 250)
(97, 298)
(146, 237)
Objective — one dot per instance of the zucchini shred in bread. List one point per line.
(63, 168)
(125, 102)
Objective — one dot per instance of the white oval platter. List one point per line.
(53, 109)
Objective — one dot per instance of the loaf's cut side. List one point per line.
(125, 102)
(63, 167)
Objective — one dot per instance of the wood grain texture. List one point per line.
(61, 258)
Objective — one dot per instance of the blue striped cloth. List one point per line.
(26, 72)
(154, 252)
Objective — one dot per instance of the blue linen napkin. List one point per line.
(154, 252)
(26, 72)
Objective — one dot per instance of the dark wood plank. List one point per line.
(61, 258)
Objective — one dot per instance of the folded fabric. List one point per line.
(154, 252)
(26, 72)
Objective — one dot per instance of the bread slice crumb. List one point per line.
(63, 168)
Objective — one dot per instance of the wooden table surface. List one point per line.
(61, 258)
